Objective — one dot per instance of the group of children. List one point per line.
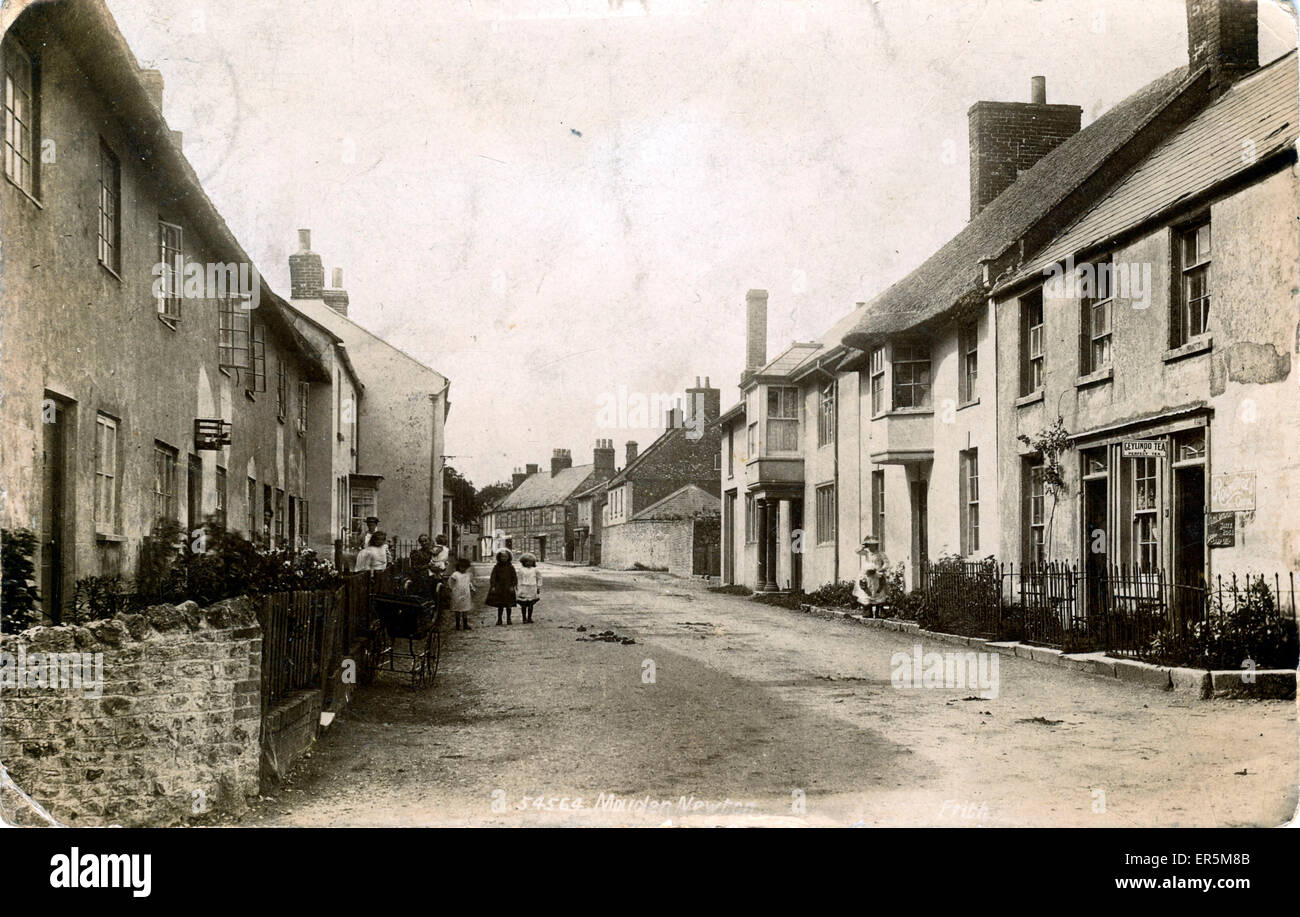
(507, 588)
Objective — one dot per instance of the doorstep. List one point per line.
(1277, 684)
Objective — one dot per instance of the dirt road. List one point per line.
(727, 711)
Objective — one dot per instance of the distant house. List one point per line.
(680, 534)
(396, 428)
(587, 531)
(685, 455)
(540, 515)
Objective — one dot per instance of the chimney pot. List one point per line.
(304, 240)
(338, 278)
(1038, 90)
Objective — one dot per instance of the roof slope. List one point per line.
(336, 323)
(662, 440)
(543, 489)
(833, 338)
(1261, 108)
(951, 276)
(788, 359)
(684, 503)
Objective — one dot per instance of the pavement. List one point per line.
(696, 708)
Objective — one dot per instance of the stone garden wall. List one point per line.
(141, 719)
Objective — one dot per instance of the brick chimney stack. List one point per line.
(1224, 36)
(306, 273)
(153, 84)
(1007, 138)
(531, 470)
(631, 452)
(603, 457)
(675, 417)
(703, 403)
(560, 460)
(336, 297)
(517, 478)
(755, 330)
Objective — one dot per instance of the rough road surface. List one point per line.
(759, 715)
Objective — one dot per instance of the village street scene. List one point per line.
(733, 415)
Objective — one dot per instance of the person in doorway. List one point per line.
(375, 555)
(461, 588)
(529, 590)
(871, 588)
(501, 586)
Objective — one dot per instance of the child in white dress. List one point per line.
(529, 589)
(461, 587)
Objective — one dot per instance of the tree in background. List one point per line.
(492, 493)
(464, 501)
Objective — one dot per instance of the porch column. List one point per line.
(760, 507)
(770, 526)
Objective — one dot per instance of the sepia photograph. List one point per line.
(649, 413)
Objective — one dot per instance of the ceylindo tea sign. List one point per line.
(1143, 448)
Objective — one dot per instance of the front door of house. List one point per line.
(56, 418)
(194, 493)
(1189, 539)
(1096, 546)
(920, 525)
(729, 539)
(541, 547)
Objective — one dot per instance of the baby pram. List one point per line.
(409, 638)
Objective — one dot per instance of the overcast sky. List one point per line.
(546, 200)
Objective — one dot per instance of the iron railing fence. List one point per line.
(1120, 609)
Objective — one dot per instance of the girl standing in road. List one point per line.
(501, 587)
(530, 586)
(461, 587)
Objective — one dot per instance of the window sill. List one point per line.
(110, 538)
(1196, 345)
(1025, 401)
(1105, 374)
(24, 192)
(114, 274)
(907, 412)
(968, 404)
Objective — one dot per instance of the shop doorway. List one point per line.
(1096, 544)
